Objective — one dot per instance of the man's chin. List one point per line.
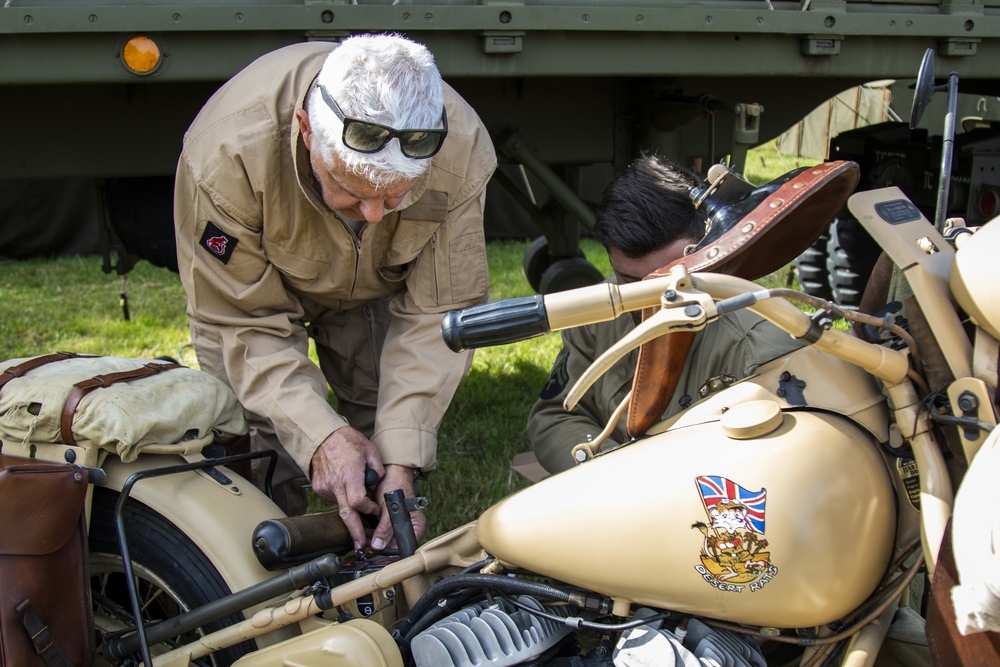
(350, 216)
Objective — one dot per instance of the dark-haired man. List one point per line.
(645, 221)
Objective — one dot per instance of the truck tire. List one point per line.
(810, 267)
(569, 273)
(850, 257)
(173, 574)
(536, 259)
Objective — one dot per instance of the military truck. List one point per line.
(839, 264)
(100, 93)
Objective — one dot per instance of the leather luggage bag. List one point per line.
(46, 618)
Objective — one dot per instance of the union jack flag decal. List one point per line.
(715, 489)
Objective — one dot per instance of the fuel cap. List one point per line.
(752, 419)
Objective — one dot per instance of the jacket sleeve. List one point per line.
(419, 374)
(241, 305)
(552, 431)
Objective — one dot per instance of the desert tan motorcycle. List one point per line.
(780, 520)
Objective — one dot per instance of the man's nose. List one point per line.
(372, 210)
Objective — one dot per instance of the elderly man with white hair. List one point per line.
(334, 193)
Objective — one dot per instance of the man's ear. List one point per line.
(303, 118)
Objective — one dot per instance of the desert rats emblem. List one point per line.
(732, 554)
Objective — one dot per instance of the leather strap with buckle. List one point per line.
(84, 387)
(31, 364)
(45, 646)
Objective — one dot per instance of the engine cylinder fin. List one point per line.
(498, 635)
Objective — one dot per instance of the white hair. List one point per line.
(387, 79)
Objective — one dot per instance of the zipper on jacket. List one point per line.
(357, 258)
(434, 267)
(370, 317)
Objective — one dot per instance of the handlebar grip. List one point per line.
(497, 323)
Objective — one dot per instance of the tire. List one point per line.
(810, 267)
(173, 575)
(566, 274)
(535, 261)
(850, 257)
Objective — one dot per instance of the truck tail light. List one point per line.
(141, 55)
(988, 201)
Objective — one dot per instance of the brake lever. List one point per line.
(679, 311)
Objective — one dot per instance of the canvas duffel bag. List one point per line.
(121, 404)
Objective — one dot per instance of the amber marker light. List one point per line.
(141, 55)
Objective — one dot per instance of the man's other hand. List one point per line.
(338, 475)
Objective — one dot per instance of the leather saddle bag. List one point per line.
(46, 619)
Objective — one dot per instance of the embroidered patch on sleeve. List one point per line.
(217, 242)
(557, 380)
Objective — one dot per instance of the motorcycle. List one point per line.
(781, 520)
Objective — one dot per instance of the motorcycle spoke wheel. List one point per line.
(172, 576)
(156, 600)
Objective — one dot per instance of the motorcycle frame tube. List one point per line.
(457, 548)
(264, 621)
(936, 493)
(866, 645)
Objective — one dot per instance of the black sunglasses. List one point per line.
(365, 136)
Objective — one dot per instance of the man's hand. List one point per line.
(338, 475)
(396, 477)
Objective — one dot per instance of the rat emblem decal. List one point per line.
(217, 242)
(732, 554)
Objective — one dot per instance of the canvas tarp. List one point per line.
(856, 107)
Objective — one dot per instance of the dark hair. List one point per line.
(647, 207)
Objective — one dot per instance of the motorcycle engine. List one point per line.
(521, 631)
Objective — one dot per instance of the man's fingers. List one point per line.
(419, 520)
(357, 499)
(383, 533)
(354, 526)
(385, 537)
(338, 468)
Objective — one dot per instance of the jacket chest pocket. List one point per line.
(396, 258)
(412, 242)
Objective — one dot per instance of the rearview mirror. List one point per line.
(924, 89)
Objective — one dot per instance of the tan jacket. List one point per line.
(734, 345)
(260, 254)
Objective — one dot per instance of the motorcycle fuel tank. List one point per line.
(763, 517)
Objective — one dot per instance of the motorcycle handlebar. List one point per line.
(495, 323)
(521, 318)
(512, 320)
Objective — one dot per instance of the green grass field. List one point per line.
(68, 304)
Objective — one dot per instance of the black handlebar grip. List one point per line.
(497, 323)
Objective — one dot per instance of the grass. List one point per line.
(69, 304)
(765, 163)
